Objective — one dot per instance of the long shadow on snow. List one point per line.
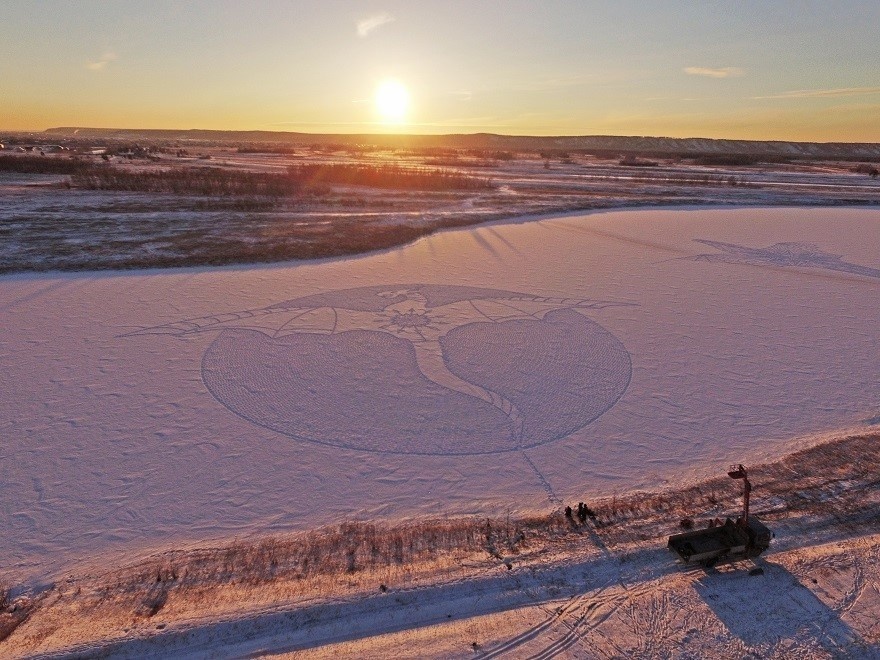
(775, 606)
(310, 626)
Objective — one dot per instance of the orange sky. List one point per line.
(791, 70)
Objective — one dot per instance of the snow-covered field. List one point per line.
(506, 367)
(471, 372)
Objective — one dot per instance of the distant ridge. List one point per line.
(598, 143)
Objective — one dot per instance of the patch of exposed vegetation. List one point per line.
(299, 179)
(44, 165)
(203, 181)
(13, 611)
(739, 160)
(866, 168)
(267, 149)
(392, 176)
(633, 161)
(244, 231)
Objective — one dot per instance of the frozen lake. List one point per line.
(512, 365)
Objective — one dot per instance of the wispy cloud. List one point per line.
(462, 94)
(101, 63)
(709, 72)
(679, 98)
(822, 93)
(367, 25)
(553, 82)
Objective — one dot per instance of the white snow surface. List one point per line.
(615, 351)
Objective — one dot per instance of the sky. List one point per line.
(781, 69)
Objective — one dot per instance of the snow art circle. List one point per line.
(416, 368)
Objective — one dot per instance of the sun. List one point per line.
(392, 101)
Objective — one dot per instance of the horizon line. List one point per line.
(425, 135)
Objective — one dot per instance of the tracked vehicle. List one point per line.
(724, 541)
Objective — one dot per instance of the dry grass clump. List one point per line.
(386, 176)
(323, 556)
(343, 549)
(299, 179)
(205, 181)
(13, 612)
(281, 566)
(43, 165)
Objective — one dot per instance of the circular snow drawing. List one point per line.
(416, 369)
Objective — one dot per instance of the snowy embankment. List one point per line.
(602, 588)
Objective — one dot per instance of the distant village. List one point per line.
(87, 148)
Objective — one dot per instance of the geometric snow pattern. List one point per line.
(415, 368)
(797, 255)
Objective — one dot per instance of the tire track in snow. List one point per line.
(569, 639)
(553, 617)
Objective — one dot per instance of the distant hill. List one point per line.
(612, 144)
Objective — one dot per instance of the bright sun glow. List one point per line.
(392, 101)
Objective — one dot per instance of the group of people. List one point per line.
(582, 512)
